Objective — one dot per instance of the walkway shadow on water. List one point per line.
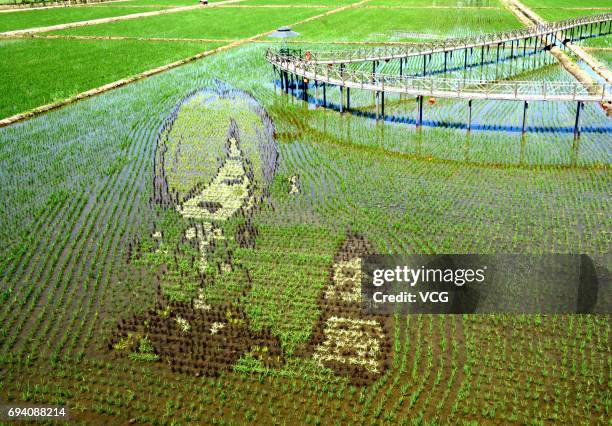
(297, 93)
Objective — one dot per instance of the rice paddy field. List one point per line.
(184, 249)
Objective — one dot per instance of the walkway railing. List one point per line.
(439, 87)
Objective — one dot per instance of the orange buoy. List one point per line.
(432, 101)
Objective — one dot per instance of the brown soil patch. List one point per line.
(217, 337)
(354, 246)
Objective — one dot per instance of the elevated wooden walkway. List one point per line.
(332, 68)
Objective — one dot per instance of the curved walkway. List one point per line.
(438, 87)
(331, 67)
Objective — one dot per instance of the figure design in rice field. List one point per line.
(207, 178)
(207, 185)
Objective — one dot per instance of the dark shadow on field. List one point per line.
(345, 339)
(218, 336)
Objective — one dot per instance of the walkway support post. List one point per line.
(382, 104)
(377, 102)
(286, 82)
(348, 98)
(525, 107)
(579, 107)
(469, 126)
(420, 111)
(324, 95)
(342, 88)
(445, 60)
(482, 56)
(316, 85)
